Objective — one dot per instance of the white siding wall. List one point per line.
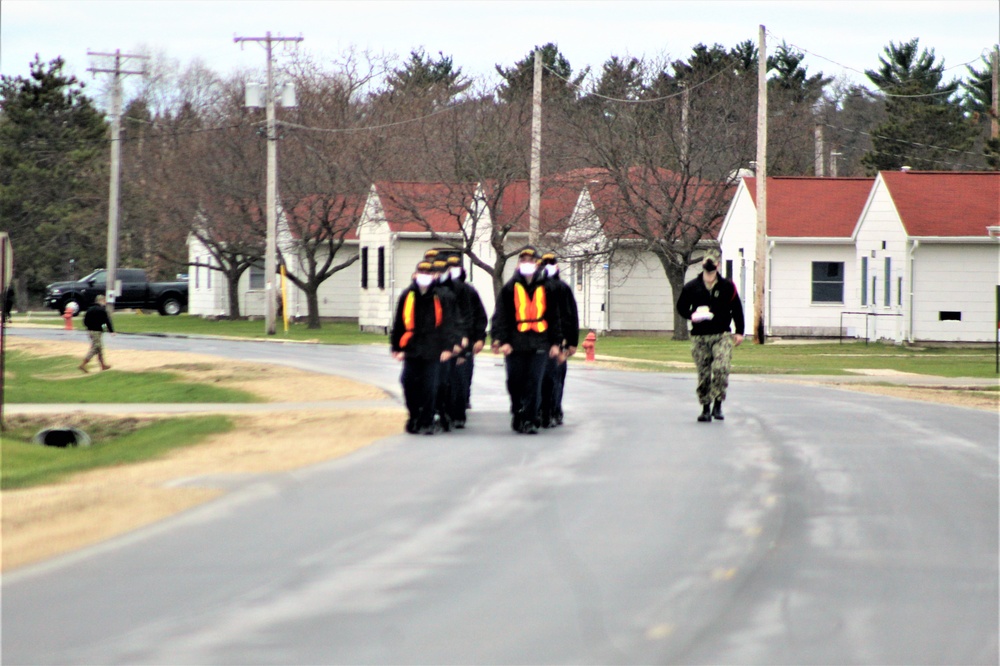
(790, 307)
(641, 297)
(374, 308)
(339, 295)
(956, 278)
(738, 243)
(206, 287)
(881, 235)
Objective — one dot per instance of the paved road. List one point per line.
(813, 526)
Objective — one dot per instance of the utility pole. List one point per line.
(111, 291)
(995, 124)
(535, 198)
(818, 148)
(271, 243)
(759, 269)
(685, 126)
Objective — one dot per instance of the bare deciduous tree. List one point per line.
(666, 172)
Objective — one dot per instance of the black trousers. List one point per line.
(524, 384)
(552, 389)
(446, 377)
(461, 378)
(420, 388)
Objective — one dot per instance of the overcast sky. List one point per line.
(839, 37)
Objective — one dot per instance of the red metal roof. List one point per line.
(557, 200)
(945, 203)
(813, 207)
(665, 194)
(340, 211)
(414, 206)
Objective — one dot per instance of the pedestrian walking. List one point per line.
(562, 298)
(526, 330)
(448, 372)
(713, 305)
(473, 316)
(423, 337)
(96, 320)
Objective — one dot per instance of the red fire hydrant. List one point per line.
(68, 316)
(589, 343)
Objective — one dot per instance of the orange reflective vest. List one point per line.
(409, 320)
(529, 312)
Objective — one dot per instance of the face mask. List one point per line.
(527, 269)
(443, 277)
(424, 280)
(551, 270)
(709, 265)
(456, 273)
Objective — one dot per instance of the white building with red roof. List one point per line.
(928, 247)
(338, 296)
(908, 256)
(402, 220)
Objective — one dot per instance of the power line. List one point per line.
(863, 73)
(635, 101)
(903, 141)
(369, 128)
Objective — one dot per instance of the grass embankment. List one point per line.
(775, 357)
(338, 333)
(115, 440)
(57, 379)
(778, 357)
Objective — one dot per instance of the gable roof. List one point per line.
(812, 207)
(945, 203)
(666, 196)
(557, 199)
(417, 206)
(342, 214)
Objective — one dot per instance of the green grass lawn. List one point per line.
(816, 358)
(338, 333)
(776, 357)
(56, 379)
(114, 442)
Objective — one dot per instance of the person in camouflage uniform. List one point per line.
(713, 305)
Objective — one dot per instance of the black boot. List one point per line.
(705, 415)
(717, 411)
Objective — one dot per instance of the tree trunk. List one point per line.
(233, 288)
(676, 279)
(312, 305)
(675, 276)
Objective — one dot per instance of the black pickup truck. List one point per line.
(170, 298)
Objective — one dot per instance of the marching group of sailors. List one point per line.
(440, 325)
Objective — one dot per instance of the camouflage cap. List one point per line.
(713, 254)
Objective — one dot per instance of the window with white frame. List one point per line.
(827, 282)
(257, 281)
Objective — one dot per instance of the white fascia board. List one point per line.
(427, 235)
(813, 240)
(954, 239)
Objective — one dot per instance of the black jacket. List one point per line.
(430, 335)
(505, 324)
(723, 301)
(569, 319)
(97, 318)
(473, 312)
